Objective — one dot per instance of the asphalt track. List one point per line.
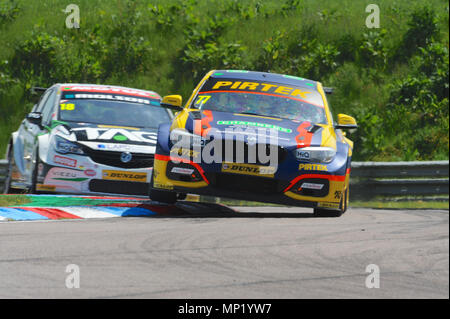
(215, 252)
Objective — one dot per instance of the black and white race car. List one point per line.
(87, 139)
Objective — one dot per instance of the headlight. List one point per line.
(315, 154)
(64, 146)
(183, 138)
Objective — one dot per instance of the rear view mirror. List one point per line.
(172, 102)
(35, 118)
(346, 122)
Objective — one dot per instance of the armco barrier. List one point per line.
(370, 179)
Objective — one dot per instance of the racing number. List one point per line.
(68, 107)
(203, 99)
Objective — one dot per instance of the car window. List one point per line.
(42, 101)
(48, 108)
(108, 112)
(262, 98)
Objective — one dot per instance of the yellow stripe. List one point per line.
(325, 103)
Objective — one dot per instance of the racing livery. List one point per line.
(281, 117)
(87, 139)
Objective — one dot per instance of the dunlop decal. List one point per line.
(248, 169)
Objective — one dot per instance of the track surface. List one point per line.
(257, 253)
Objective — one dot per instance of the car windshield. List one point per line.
(264, 99)
(117, 113)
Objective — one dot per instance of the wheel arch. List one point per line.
(164, 137)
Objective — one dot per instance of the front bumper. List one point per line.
(319, 186)
(81, 175)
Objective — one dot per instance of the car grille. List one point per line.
(246, 184)
(113, 159)
(118, 187)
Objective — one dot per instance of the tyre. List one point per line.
(346, 199)
(319, 212)
(7, 186)
(162, 196)
(34, 173)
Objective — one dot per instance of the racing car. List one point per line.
(86, 139)
(302, 156)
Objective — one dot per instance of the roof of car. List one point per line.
(264, 76)
(85, 87)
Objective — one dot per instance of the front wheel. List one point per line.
(34, 173)
(161, 196)
(319, 212)
(9, 169)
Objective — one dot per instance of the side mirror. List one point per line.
(346, 122)
(35, 118)
(172, 102)
(328, 90)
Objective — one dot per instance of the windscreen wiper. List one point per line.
(250, 113)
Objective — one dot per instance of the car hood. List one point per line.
(112, 138)
(288, 133)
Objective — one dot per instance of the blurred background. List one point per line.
(392, 79)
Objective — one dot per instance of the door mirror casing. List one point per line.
(35, 118)
(173, 102)
(346, 122)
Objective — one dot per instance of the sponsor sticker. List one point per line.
(182, 170)
(118, 134)
(302, 155)
(185, 152)
(112, 97)
(90, 172)
(124, 176)
(328, 205)
(313, 167)
(255, 124)
(107, 89)
(42, 187)
(248, 169)
(66, 161)
(312, 186)
(61, 176)
(163, 186)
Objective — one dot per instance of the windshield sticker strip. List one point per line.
(262, 125)
(261, 93)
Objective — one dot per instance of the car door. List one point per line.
(32, 131)
(21, 148)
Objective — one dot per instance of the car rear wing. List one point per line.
(328, 90)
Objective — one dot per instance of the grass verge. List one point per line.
(13, 200)
(418, 204)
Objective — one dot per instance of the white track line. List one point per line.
(87, 212)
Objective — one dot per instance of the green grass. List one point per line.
(13, 200)
(417, 204)
(23, 200)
